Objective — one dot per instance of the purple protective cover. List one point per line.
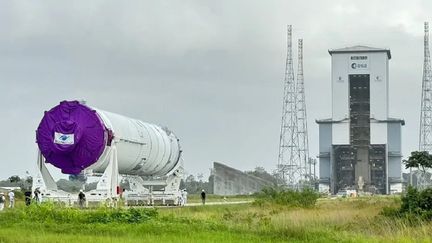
(78, 121)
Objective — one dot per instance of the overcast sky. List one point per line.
(212, 71)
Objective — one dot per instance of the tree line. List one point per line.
(193, 184)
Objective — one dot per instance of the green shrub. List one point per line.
(296, 198)
(425, 199)
(410, 201)
(130, 215)
(415, 204)
(49, 212)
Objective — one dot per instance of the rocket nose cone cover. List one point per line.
(71, 136)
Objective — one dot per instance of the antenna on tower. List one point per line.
(293, 151)
(302, 118)
(425, 140)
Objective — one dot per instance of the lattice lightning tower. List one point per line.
(289, 156)
(425, 141)
(301, 117)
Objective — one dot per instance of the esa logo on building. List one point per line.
(358, 65)
(359, 62)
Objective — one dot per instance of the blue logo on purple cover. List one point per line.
(65, 139)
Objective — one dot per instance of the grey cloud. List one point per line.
(210, 70)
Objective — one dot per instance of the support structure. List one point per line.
(154, 191)
(108, 184)
(293, 143)
(141, 191)
(44, 181)
(304, 165)
(425, 136)
(425, 139)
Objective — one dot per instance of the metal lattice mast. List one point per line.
(425, 143)
(303, 148)
(289, 159)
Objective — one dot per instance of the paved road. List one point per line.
(194, 204)
(218, 203)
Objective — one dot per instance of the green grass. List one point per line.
(331, 220)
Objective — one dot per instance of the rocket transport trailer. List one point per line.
(79, 139)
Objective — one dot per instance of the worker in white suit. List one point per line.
(11, 196)
(2, 201)
(184, 196)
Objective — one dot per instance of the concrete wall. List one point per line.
(229, 181)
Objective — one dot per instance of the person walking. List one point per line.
(27, 195)
(81, 199)
(37, 196)
(203, 196)
(184, 196)
(11, 199)
(180, 199)
(2, 201)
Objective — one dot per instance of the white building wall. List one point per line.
(340, 88)
(378, 132)
(378, 85)
(377, 68)
(340, 133)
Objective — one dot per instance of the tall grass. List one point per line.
(330, 220)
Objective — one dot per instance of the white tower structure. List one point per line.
(302, 117)
(360, 146)
(293, 143)
(425, 135)
(425, 141)
(289, 157)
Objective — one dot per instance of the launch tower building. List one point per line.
(360, 146)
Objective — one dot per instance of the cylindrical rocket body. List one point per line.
(142, 148)
(74, 137)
